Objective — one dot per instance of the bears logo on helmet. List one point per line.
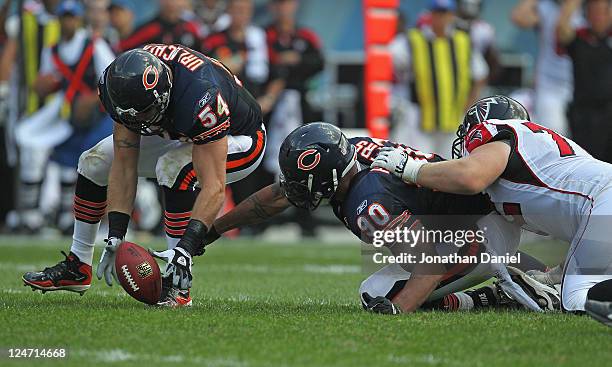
(307, 167)
(145, 77)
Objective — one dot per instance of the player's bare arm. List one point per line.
(257, 208)
(209, 163)
(123, 176)
(469, 175)
(424, 279)
(122, 182)
(565, 31)
(416, 291)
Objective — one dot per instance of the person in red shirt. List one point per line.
(241, 47)
(295, 57)
(168, 27)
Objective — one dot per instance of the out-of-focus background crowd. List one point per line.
(303, 61)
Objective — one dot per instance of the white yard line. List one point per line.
(121, 355)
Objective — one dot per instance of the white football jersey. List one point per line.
(550, 181)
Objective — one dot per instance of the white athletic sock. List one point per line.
(465, 302)
(83, 240)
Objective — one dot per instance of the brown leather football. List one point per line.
(138, 273)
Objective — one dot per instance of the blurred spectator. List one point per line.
(32, 28)
(4, 12)
(71, 121)
(295, 57)
(553, 74)
(121, 14)
(168, 27)
(481, 32)
(590, 48)
(211, 15)
(444, 75)
(97, 17)
(241, 47)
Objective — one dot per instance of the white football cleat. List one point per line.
(546, 297)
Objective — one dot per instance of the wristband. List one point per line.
(411, 170)
(194, 237)
(117, 224)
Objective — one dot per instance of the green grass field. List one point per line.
(258, 304)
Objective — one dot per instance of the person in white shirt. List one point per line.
(553, 74)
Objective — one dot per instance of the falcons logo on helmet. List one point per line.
(474, 136)
(481, 109)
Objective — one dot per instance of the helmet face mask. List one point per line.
(147, 121)
(299, 195)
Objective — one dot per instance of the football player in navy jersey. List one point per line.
(181, 118)
(319, 163)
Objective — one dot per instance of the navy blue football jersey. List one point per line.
(379, 200)
(207, 102)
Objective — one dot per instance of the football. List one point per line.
(138, 273)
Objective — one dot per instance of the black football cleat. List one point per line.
(70, 275)
(600, 311)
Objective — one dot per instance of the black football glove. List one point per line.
(383, 305)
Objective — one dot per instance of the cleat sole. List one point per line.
(70, 288)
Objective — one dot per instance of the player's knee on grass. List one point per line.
(576, 289)
(94, 164)
(386, 282)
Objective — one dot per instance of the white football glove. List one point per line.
(179, 266)
(106, 266)
(399, 162)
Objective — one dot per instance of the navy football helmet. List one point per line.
(313, 158)
(490, 108)
(138, 85)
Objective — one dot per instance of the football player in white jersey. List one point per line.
(538, 179)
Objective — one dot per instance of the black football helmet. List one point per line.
(313, 158)
(490, 108)
(138, 85)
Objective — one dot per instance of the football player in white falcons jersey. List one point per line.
(538, 179)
